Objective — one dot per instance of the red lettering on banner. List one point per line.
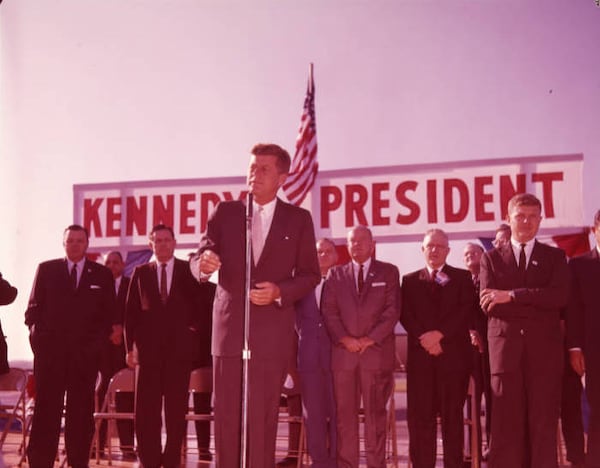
(356, 199)
(113, 216)
(379, 204)
(451, 214)
(185, 213)
(136, 215)
(547, 195)
(414, 210)
(432, 216)
(508, 190)
(91, 217)
(482, 198)
(331, 200)
(162, 214)
(206, 199)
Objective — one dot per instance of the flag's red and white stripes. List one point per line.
(304, 164)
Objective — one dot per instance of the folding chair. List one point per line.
(13, 400)
(122, 381)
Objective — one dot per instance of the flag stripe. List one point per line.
(304, 168)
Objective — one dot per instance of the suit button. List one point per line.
(522, 332)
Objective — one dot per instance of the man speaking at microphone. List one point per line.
(284, 269)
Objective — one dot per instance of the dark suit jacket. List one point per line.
(121, 300)
(288, 259)
(539, 297)
(583, 312)
(163, 331)
(450, 309)
(373, 313)
(314, 345)
(61, 316)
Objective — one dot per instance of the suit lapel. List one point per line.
(508, 257)
(349, 280)
(370, 274)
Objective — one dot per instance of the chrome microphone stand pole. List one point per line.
(246, 353)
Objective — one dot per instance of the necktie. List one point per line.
(163, 283)
(522, 259)
(258, 240)
(434, 276)
(74, 276)
(361, 278)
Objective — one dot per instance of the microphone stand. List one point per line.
(246, 353)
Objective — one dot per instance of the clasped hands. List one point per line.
(490, 297)
(430, 342)
(263, 293)
(357, 345)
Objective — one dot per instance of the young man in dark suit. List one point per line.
(583, 336)
(162, 319)
(524, 286)
(69, 317)
(284, 269)
(438, 306)
(360, 308)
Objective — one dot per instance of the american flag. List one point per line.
(304, 165)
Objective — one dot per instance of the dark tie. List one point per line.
(434, 276)
(74, 276)
(522, 259)
(361, 279)
(163, 283)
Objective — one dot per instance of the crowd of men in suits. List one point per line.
(498, 320)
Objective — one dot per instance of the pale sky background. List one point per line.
(102, 91)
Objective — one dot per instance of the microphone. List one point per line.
(249, 209)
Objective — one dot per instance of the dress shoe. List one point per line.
(129, 456)
(288, 462)
(205, 455)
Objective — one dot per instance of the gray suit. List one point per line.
(373, 313)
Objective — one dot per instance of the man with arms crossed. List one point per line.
(284, 270)
(524, 284)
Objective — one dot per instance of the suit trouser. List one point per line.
(265, 380)
(57, 371)
(431, 390)
(527, 404)
(592, 391)
(168, 380)
(571, 417)
(320, 416)
(202, 406)
(375, 387)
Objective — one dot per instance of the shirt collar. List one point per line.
(268, 208)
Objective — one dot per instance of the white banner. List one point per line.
(397, 203)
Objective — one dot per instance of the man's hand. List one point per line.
(430, 339)
(264, 293)
(209, 262)
(116, 337)
(577, 361)
(476, 340)
(351, 344)
(435, 350)
(132, 359)
(490, 297)
(365, 342)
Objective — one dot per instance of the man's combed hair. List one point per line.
(162, 227)
(524, 199)
(78, 227)
(271, 149)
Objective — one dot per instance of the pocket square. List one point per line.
(95, 286)
(382, 283)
